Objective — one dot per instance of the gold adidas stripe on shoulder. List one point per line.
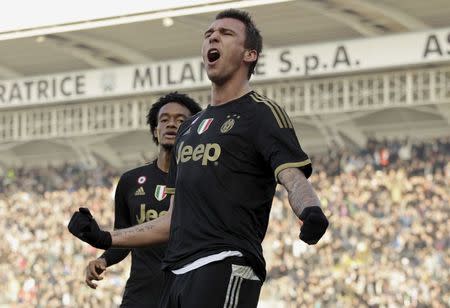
(256, 99)
(279, 108)
(278, 112)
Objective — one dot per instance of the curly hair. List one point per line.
(172, 97)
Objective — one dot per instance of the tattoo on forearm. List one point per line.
(133, 230)
(301, 194)
(145, 234)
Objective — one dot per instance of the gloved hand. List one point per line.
(84, 226)
(314, 224)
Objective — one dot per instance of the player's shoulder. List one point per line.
(261, 103)
(139, 174)
(267, 109)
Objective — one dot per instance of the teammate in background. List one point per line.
(140, 197)
(224, 169)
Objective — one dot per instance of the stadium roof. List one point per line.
(142, 38)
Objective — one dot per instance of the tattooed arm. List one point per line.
(305, 204)
(83, 225)
(148, 233)
(301, 194)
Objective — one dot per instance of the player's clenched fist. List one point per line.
(314, 224)
(84, 226)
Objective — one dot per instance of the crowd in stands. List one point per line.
(387, 244)
(41, 264)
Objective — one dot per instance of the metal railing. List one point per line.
(299, 98)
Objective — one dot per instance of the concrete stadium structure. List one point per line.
(337, 100)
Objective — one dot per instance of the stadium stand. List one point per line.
(387, 246)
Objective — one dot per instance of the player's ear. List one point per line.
(250, 55)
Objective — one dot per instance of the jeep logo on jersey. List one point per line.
(204, 125)
(160, 192)
(205, 153)
(147, 215)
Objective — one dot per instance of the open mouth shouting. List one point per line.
(213, 55)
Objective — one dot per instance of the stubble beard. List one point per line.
(167, 147)
(219, 79)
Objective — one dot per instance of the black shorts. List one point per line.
(142, 293)
(229, 283)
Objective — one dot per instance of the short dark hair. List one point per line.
(172, 97)
(253, 38)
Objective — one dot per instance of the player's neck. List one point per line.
(232, 89)
(163, 161)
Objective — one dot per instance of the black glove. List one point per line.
(84, 226)
(314, 224)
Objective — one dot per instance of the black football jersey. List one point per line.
(223, 173)
(140, 196)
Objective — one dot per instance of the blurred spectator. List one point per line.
(388, 241)
(387, 245)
